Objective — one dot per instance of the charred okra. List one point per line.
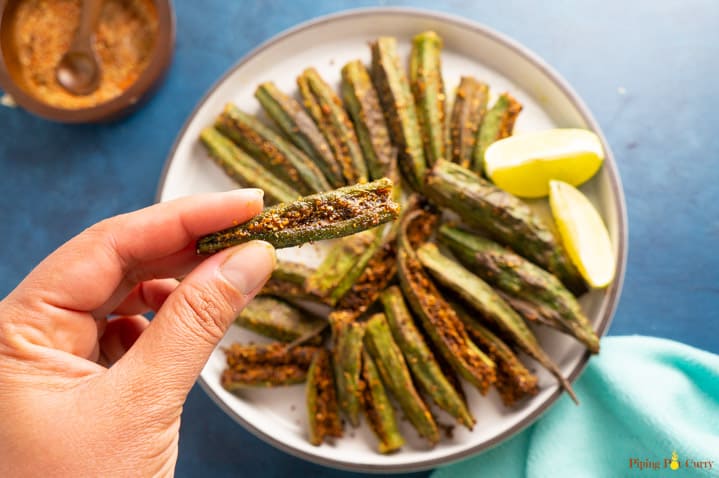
(378, 409)
(425, 76)
(322, 408)
(244, 169)
(279, 320)
(420, 358)
(363, 105)
(480, 295)
(347, 363)
(396, 376)
(470, 106)
(498, 123)
(506, 218)
(242, 355)
(398, 104)
(438, 318)
(538, 291)
(265, 366)
(326, 109)
(294, 121)
(275, 153)
(328, 215)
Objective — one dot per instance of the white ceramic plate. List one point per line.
(278, 415)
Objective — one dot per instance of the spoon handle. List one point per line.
(89, 16)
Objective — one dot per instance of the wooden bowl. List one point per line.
(11, 79)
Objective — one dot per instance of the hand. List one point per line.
(64, 414)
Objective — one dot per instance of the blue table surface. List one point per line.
(647, 69)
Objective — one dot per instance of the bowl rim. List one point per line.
(148, 80)
(615, 287)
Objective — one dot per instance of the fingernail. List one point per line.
(249, 193)
(249, 266)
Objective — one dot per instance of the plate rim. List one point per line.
(614, 179)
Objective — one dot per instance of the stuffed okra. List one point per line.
(250, 366)
(322, 408)
(378, 409)
(470, 106)
(498, 123)
(347, 363)
(287, 282)
(279, 320)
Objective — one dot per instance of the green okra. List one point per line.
(278, 155)
(378, 409)
(322, 407)
(288, 281)
(470, 106)
(425, 76)
(396, 376)
(279, 320)
(347, 363)
(294, 121)
(262, 375)
(341, 259)
(243, 169)
(421, 360)
(398, 104)
(498, 123)
(480, 295)
(327, 110)
(437, 317)
(506, 218)
(327, 215)
(539, 295)
(514, 381)
(362, 103)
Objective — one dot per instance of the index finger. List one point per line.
(84, 272)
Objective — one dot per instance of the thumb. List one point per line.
(167, 358)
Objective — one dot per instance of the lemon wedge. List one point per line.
(524, 164)
(583, 233)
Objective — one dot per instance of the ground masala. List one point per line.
(124, 40)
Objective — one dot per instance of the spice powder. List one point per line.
(124, 39)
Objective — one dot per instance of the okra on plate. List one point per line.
(398, 104)
(531, 290)
(288, 281)
(273, 365)
(396, 376)
(328, 215)
(378, 409)
(279, 320)
(322, 407)
(362, 103)
(243, 169)
(425, 75)
(498, 123)
(327, 110)
(297, 125)
(480, 295)
(347, 363)
(425, 369)
(470, 106)
(506, 218)
(438, 318)
(278, 155)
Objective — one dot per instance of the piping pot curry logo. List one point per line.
(673, 463)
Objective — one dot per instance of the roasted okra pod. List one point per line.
(288, 281)
(470, 106)
(347, 363)
(425, 75)
(328, 215)
(424, 367)
(539, 292)
(480, 295)
(294, 121)
(378, 409)
(498, 123)
(322, 408)
(438, 318)
(327, 110)
(272, 365)
(362, 103)
(279, 320)
(274, 152)
(399, 109)
(396, 376)
(244, 169)
(506, 218)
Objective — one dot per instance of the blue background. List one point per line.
(647, 69)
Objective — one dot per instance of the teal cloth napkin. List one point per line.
(642, 399)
